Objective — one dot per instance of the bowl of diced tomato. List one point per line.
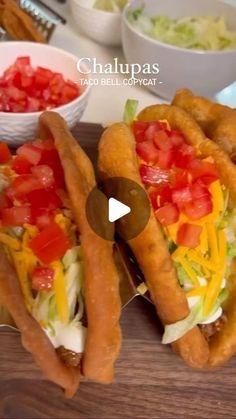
(34, 78)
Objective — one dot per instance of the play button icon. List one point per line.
(118, 204)
(117, 210)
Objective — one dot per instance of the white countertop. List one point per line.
(106, 103)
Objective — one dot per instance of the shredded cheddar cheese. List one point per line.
(212, 293)
(9, 241)
(197, 292)
(179, 252)
(189, 271)
(60, 292)
(211, 231)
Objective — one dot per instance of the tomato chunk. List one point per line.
(41, 198)
(168, 214)
(4, 201)
(44, 174)
(30, 153)
(51, 158)
(147, 151)
(182, 196)
(153, 128)
(165, 158)
(44, 144)
(5, 154)
(42, 217)
(189, 235)
(139, 129)
(42, 278)
(153, 175)
(184, 156)
(16, 216)
(160, 196)
(198, 208)
(21, 166)
(22, 185)
(50, 244)
(162, 140)
(203, 170)
(181, 179)
(177, 139)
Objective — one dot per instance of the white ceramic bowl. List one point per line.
(103, 27)
(204, 72)
(16, 128)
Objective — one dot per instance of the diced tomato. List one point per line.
(41, 198)
(22, 61)
(147, 151)
(160, 196)
(203, 170)
(22, 185)
(51, 158)
(153, 128)
(5, 154)
(30, 153)
(165, 159)
(189, 235)
(33, 104)
(181, 179)
(199, 190)
(56, 84)
(44, 144)
(16, 216)
(177, 139)
(198, 208)
(50, 244)
(168, 214)
(139, 129)
(4, 201)
(184, 156)
(69, 92)
(164, 196)
(21, 166)
(182, 196)
(162, 140)
(44, 174)
(15, 94)
(42, 217)
(25, 89)
(153, 175)
(42, 278)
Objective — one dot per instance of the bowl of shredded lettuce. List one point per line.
(100, 20)
(193, 43)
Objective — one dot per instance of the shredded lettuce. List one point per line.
(130, 111)
(231, 249)
(183, 277)
(177, 330)
(45, 308)
(192, 32)
(110, 5)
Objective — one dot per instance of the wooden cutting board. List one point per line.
(150, 382)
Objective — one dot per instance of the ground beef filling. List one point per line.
(70, 358)
(211, 329)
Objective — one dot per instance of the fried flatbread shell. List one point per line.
(117, 157)
(33, 337)
(101, 278)
(217, 121)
